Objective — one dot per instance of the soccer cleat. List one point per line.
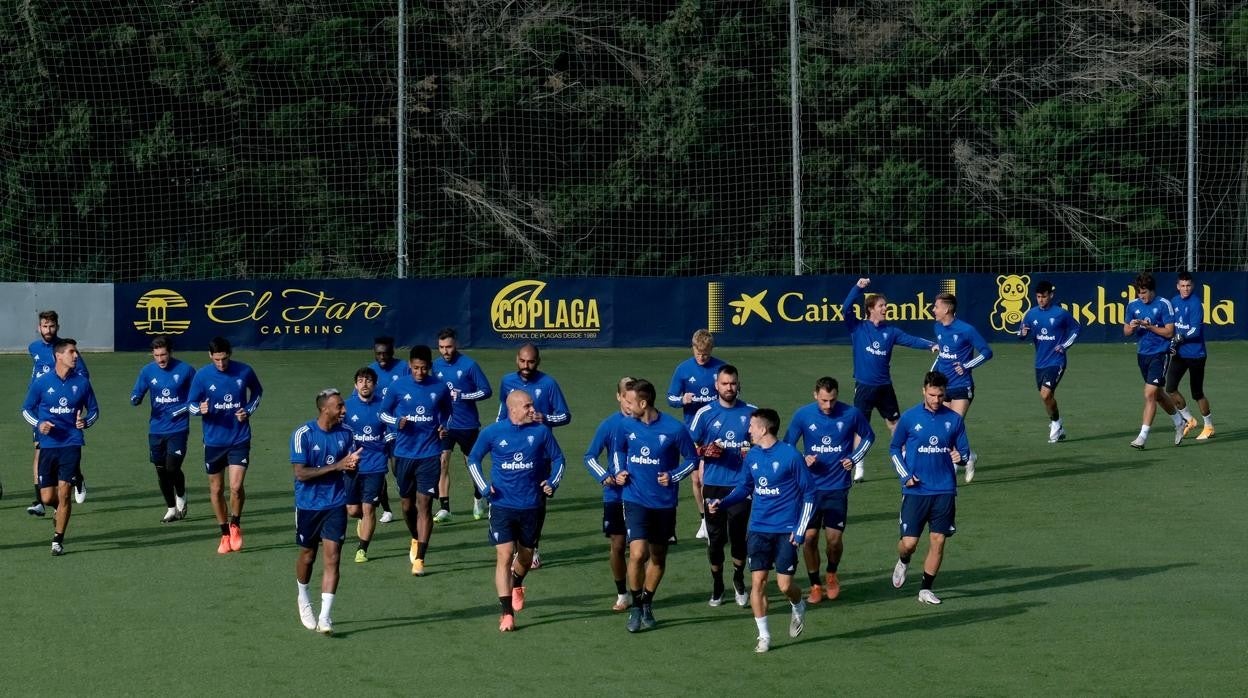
(306, 615)
(412, 550)
(517, 598)
(742, 596)
(57, 549)
(716, 601)
(325, 626)
(831, 585)
(797, 620)
(926, 596)
(35, 509)
(480, 509)
(506, 623)
(634, 619)
(1179, 431)
(80, 490)
(180, 506)
(647, 618)
(418, 568)
(701, 534)
(899, 574)
(764, 644)
(224, 546)
(386, 516)
(1138, 444)
(816, 594)
(1059, 436)
(360, 556)
(860, 472)
(537, 560)
(970, 468)
(443, 516)
(1189, 425)
(171, 515)
(1206, 433)
(236, 537)
(622, 602)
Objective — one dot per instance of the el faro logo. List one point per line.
(519, 308)
(156, 304)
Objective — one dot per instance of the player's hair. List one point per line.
(935, 379)
(420, 352)
(873, 298)
(622, 386)
(446, 333)
(769, 417)
(948, 299)
(729, 369)
(537, 353)
(163, 342)
(220, 345)
(827, 383)
(703, 340)
(1145, 280)
(1185, 276)
(385, 341)
(1046, 287)
(324, 396)
(61, 342)
(365, 372)
(50, 315)
(644, 390)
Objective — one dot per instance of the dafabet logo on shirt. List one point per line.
(155, 305)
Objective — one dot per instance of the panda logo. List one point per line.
(1012, 302)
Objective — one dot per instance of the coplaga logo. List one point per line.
(519, 309)
(156, 304)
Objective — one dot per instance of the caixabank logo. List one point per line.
(525, 310)
(794, 306)
(155, 306)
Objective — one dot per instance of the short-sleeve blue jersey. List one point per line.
(51, 398)
(1048, 329)
(873, 344)
(921, 445)
(426, 407)
(1158, 313)
(521, 458)
(548, 399)
(830, 438)
(369, 432)
(44, 359)
(1189, 326)
(226, 391)
(959, 343)
(783, 493)
(691, 377)
(387, 375)
(603, 441)
(313, 447)
(169, 388)
(645, 449)
(468, 386)
(730, 427)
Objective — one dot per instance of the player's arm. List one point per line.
(619, 455)
(1072, 328)
(866, 437)
(981, 348)
(389, 403)
(255, 390)
(480, 383)
(502, 400)
(794, 433)
(740, 487)
(562, 414)
(896, 450)
(30, 406)
(675, 394)
(847, 308)
(557, 462)
(906, 339)
(960, 443)
(139, 389)
(807, 490)
(688, 453)
(93, 408)
(475, 458)
(595, 448)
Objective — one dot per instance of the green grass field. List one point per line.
(1079, 568)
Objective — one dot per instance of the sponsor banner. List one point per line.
(622, 312)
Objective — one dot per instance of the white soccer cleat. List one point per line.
(860, 472)
(537, 560)
(180, 505)
(80, 491)
(970, 468)
(36, 509)
(742, 597)
(701, 534)
(171, 515)
(480, 509)
(716, 601)
(797, 620)
(622, 603)
(1138, 444)
(306, 615)
(57, 549)
(764, 644)
(325, 626)
(926, 596)
(899, 574)
(386, 516)
(1179, 431)
(443, 516)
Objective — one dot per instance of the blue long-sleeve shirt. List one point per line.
(521, 456)
(1189, 326)
(548, 399)
(1048, 329)
(44, 360)
(783, 495)
(386, 375)
(313, 447)
(645, 449)
(468, 386)
(728, 426)
(959, 343)
(226, 391)
(423, 407)
(370, 432)
(603, 441)
(1158, 313)
(696, 379)
(51, 398)
(829, 438)
(873, 344)
(169, 388)
(921, 445)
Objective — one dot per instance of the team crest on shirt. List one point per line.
(238, 382)
(537, 392)
(73, 389)
(530, 437)
(459, 374)
(775, 466)
(840, 426)
(948, 426)
(662, 439)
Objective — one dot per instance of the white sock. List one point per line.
(1144, 432)
(1186, 414)
(1177, 419)
(180, 502)
(303, 593)
(327, 603)
(763, 632)
(1055, 424)
(1209, 419)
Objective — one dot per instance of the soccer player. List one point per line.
(44, 360)
(692, 387)
(873, 340)
(721, 432)
(1151, 321)
(59, 405)
(418, 408)
(1189, 354)
(1053, 330)
(552, 409)
(468, 386)
(654, 452)
(365, 483)
(526, 468)
(836, 438)
(388, 370)
(225, 393)
(776, 476)
(321, 451)
(926, 449)
(960, 349)
(612, 502)
(169, 382)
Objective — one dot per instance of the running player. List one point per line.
(1053, 330)
(960, 349)
(691, 388)
(169, 382)
(1150, 320)
(365, 484)
(468, 386)
(612, 502)
(1189, 354)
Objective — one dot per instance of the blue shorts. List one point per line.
(60, 464)
(513, 526)
(651, 525)
(216, 458)
(168, 450)
(877, 397)
(1153, 367)
(417, 476)
(935, 510)
(1049, 377)
(464, 438)
(363, 488)
(613, 519)
(831, 509)
(769, 550)
(964, 393)
(314, 525)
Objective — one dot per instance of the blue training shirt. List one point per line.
(521, 458)
(44, 360)
(1158, 313)
(548, 399)
(468, 386)
(169, 388)
(604, 441)
(873, 344)
(226, 391)
(313, 447)
(959, 343)
(51, 398)
(830, 438)
(692, 377)
(645, 449)
(425, 406)
(369, 431)
(1048, 329)
(783, 495)
(730, 428)
(1189, 326)
(920, 447)
(388, 375)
